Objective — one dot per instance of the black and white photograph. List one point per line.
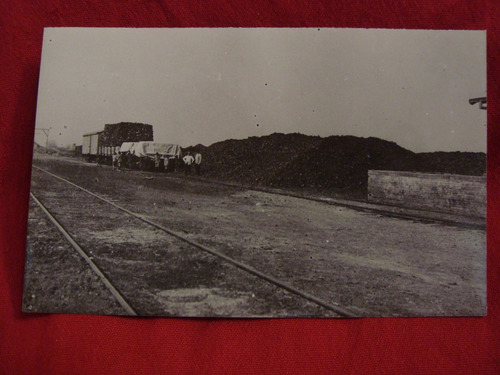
(259, 173)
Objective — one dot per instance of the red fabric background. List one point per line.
(63, 344)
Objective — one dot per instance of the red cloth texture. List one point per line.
(80, 344)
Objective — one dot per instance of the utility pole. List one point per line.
(46, 132)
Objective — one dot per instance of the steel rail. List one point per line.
(121, 300)
(337, 309)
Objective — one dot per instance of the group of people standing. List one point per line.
(127, 160)
(189, 160)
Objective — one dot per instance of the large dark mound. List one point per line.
(466, 163)
(336, 163)
(256, 160)
(342, 162)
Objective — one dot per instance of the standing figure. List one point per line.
(197, 163)
(126, 159)
(165, 163)
(132, 159)
(119, 160)
(188, 161)
(143, 162)
(157, 161)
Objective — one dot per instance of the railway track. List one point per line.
(95, 268)
(338, 310)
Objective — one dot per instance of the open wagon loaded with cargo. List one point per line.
(134, 142)
(150, 156)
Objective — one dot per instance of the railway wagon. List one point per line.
(141, 155)
(100, 146)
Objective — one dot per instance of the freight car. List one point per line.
(100, 146)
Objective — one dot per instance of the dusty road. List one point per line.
(370, 264)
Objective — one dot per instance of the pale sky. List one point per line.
(207, 85)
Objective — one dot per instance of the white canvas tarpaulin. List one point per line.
(151, 148)
(127, 146)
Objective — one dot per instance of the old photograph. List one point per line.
(259, 172)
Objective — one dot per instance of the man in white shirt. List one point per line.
(197, 163)
(188, 161)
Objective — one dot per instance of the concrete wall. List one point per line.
(447, 193)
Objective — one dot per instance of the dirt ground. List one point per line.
(366, 263)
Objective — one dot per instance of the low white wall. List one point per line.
(448, 193)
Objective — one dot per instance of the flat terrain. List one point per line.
(369, 264)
